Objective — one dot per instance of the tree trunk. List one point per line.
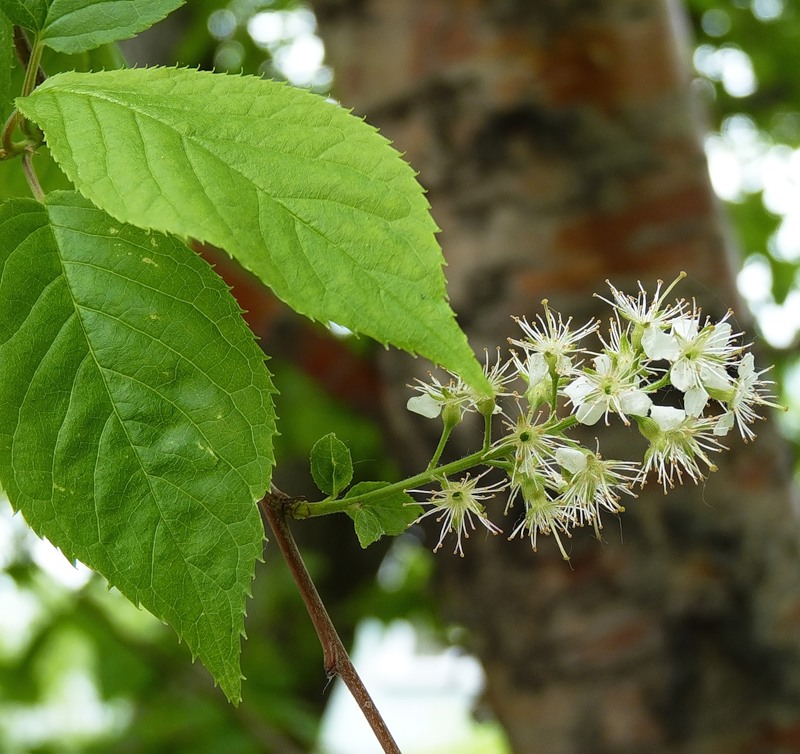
(560, 145)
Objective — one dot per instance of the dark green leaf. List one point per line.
(7, 92)
(30, 14)
(135, 415)
(77, 25)
(331, 464)
(390, 515)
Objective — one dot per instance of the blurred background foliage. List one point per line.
(82, 670)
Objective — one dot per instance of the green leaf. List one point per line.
(309, 198)
(29, 14)
(390, 515)
(6, 67)
(135, 415)
(77, 25)
(331, 464)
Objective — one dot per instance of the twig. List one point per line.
(335, 658)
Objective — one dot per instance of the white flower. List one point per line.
(497, 377)
(639, 311)
(605, 389)
(677, 441)
(703, 354)
(594, 484)
(544, 513)
(553, 338)
(436, 396)
(455, 505)
(748, 392)
(533, 445)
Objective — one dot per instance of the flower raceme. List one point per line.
(653, 350)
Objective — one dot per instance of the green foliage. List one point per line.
(136, 414)
(76, 25)
(389, 515)
(30, 14)
(6, 68)
(135, 420)
(331, 465)
(309, 198)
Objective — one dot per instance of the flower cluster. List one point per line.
(654, 352)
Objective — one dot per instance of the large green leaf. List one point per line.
(6, 67)
(77, 25)
(135, 415)
(308, 197)
(27, 13)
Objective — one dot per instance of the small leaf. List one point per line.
(331, 464)
(77, 25)
(312, 200)
(136, 417)
(30, 14)
(390, 515)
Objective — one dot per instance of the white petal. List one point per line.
(747, 365)
(563, 365)
(724, 425)
(685, 327)
(715, 377)
(667, 417)
(635, 402)
(682, 375)
(571, 459)
(695, 401)
(721, 335)
(588, 413)
(578, 389)
(658, 345)
(602, 364)
(537, 368)
(424, 405)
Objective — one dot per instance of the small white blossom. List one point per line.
(605, 389)
(456, 505)
(677, 441)
(533, 444)
(435, 396)
(544, 514)
(703, 354)
(595, 484)
(748, 392)
(553, 338)
(653, 314)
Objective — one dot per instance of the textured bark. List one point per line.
(560, 146)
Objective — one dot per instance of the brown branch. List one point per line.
(335, 658)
